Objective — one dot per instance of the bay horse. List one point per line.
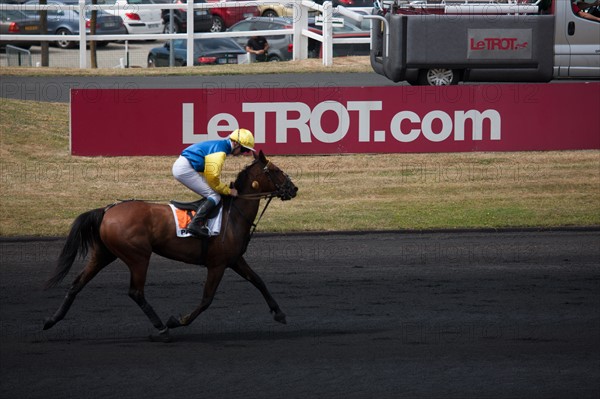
(133, 230)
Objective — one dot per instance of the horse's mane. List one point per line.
(242, 178)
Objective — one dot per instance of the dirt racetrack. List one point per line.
(388, 315)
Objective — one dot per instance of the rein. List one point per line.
(257, 197)
(269, 197)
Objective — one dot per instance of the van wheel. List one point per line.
(438, 77)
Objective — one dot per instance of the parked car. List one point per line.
(276, 9)
(209, 51)
(136, 20)
(365, 24)
(280, 46)
(224, 17)
(349, 3)
(202, 18)
(14, 22)
(62, 21)
(348, 30)
(280, 9)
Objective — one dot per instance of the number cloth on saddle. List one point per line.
(183, 212)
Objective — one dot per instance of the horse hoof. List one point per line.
(162, 336)
(280, 317)
(173, 322)
(48, 323)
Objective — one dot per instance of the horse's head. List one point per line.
(264, 177)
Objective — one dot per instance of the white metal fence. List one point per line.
(300, 31)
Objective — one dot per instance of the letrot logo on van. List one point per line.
(499, 43)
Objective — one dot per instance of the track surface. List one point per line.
(461, 315)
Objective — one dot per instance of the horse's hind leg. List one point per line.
(139, 270)
(98, 260)
(243, 269)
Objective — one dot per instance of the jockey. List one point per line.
(199, 169)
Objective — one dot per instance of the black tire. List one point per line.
(151, 62)
(218, 24)
(274, 58)
(65, 44)
(176, 27)
(438, 77)
(270, 14)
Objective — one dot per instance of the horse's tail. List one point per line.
(84, 233)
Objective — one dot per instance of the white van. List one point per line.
(444, 42)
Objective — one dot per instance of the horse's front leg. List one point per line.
(213, 278)
(243, 269)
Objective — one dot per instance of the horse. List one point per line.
(132, 230)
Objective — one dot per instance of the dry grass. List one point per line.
(340, 65)
(44, 188)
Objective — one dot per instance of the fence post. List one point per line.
(190, 33)
(327, 45)
(300, 42)
(82, 36)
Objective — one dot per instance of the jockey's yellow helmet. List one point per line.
(244, 137)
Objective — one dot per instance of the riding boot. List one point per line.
(197, 225)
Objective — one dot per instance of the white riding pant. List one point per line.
(186, 175)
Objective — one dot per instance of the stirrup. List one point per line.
(202, 231)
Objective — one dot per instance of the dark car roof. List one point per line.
(211, 44)
(217, 44)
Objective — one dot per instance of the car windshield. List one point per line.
(241, 26)
(11, 15)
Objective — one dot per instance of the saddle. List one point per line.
(193, 206)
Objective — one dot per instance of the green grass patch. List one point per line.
(44, 188)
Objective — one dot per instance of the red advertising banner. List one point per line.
(503, 117)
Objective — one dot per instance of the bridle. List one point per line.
(284, 191)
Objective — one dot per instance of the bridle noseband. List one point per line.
(285, 191)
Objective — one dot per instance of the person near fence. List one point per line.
(259, 46)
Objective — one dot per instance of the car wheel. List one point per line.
(270, 14)
(438, 77)
(218, 24)
(176, 27)
(274, 58)
(64, 44)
